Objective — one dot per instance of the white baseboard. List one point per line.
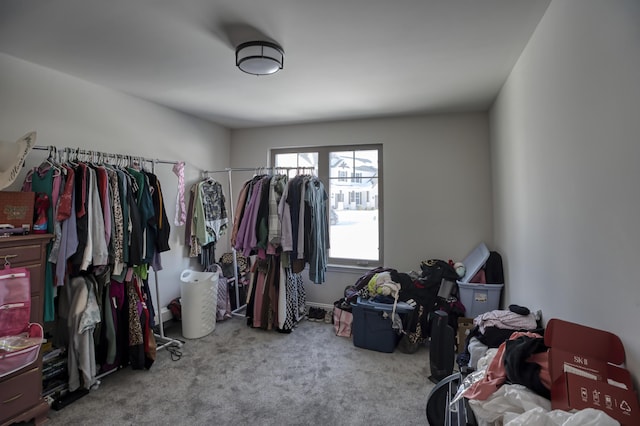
(166, 315)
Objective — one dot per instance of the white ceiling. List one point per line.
(343, 58)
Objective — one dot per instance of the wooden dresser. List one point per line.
(21, 392)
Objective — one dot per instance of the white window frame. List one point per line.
(323, 175)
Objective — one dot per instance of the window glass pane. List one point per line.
(362, 163)
(304, 162)
(353, 194)
(308, 159)
(341, 164)
(287, 160)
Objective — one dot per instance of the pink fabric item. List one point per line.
(64, 207)
(259, 296)
(13, 361)
(181, 210)
(495, 375)
(505, 320)
(55, 189)
(15, 301)
(342, 322)
(15, 310)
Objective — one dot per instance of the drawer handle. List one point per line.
(6, 401)
(6, 259)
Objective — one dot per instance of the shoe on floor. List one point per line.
(328, 317)
(321, 314)
(312, 314)
(318, 315)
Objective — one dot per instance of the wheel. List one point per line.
(437, 409)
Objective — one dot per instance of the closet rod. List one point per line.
(232, 169)
(255, 169)
(161, 336)
(105, 154)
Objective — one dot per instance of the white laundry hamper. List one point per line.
(199, 298)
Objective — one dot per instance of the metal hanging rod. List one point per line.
(100, 154)
(231, 169)
(256, 169)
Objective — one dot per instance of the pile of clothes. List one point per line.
(493, 328)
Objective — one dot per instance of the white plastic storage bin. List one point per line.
(478, 298)
(199, 299)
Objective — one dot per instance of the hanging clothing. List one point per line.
(68, 245)
(159, 220)
(277, 189)
(181, 213)
(117, 241)
(293, 200)
(42, 181)
(84, 315)
(242, 200)
(106, 220)
(206, 218)
(318, 230)
(247, 237)
(296, 299)
(95, 252)
(210, 212)
(284, 222)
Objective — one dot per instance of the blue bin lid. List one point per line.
(401, 307)
(474, 261)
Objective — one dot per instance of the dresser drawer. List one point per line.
(19, 393)
(20, 255)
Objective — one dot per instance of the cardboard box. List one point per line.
(16, 208)
(585, 366)
(465, 325)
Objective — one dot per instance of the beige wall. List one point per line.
(437, 183)
(68, 112)
(565, 149)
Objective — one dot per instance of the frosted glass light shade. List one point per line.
(259, 57)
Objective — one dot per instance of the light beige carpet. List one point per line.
(243, 376)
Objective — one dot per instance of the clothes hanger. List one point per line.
(72, 156)
(207, 178)
(93, 158)
(48, 163)
(57, 160)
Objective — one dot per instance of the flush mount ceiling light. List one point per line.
(259, 57)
